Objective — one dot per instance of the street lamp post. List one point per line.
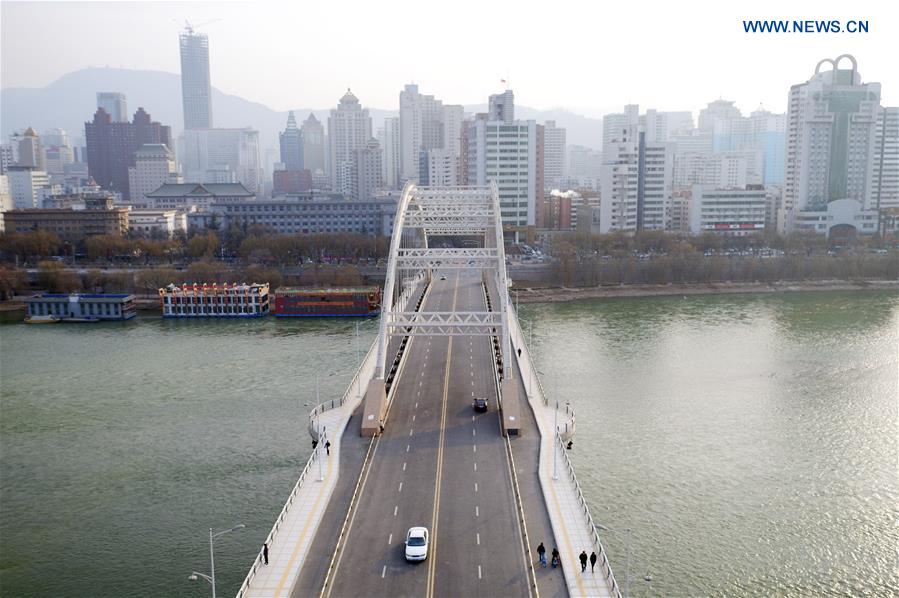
(212, 536)
(628, 534)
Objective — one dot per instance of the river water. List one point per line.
(749, 442)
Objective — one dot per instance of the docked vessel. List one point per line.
(329, 302)
(41, 320)
(46, 308)
(237, 300)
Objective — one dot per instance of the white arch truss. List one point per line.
(424, 213)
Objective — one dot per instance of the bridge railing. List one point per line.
(366, 371)
(528, 369)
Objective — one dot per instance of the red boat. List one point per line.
(302, 302)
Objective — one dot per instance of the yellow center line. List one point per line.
(299, 543)
(449, 358)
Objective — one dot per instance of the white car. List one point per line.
(417, 544)
(443, 277)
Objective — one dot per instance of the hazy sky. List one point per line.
(591, 56)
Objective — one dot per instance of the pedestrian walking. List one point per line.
(265, 553)
(556, 560)
(583, 559)
(541, 552)
(592, 561)
(328, 447)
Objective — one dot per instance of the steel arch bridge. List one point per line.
(425, 217)
(424, 214)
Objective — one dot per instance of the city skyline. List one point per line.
(573, 74)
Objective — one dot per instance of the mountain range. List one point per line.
(71, 100)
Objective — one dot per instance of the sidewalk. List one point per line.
(569, 523)
(291, 543)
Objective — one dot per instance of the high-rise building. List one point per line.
(29, 150)
(25, 186)
(313, 145)
(196, 88)
(440, 168)
(367, 171)
(7, 157)
(349, 129)
(57, 150)
(730, 131)
(453, 117)
(505, 150)
(391, 144)
(730, 212)
(115, 104)
(622, 123)
(636, 183)
(154, 165)
(111, 146)
(721, 170)
(831, 152)
(657, 125)
(501, 107)
(421, 129)
(291, 140)
(553, 155)
(717, 111)
(886, 166)
(223, 156)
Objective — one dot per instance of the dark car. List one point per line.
(479, 404)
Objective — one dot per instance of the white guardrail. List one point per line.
(365, 372)
(526, 364)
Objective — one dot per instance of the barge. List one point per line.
(238, 300)
(329, 302)
(45, 308)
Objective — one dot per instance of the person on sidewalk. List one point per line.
(583, 559)
(265, 553)
(541, 552)
(328, 448)
(556, 561)
(592, 561)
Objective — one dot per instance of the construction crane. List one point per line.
(190, 28)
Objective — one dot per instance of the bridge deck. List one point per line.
(436, 461)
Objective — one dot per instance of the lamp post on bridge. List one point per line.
(628, 537)
(212, 536)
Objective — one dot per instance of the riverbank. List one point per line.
(564, 294)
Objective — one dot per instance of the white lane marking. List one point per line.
(472, 418)
(416, 405)
(473, 432)
(404, 466)
(479, 539)
(390, 540)
(410, 431)
(472, 382)
(479, 571)
(395, 507)
(472, 393)
(475, 447)
(413, 417)
(400, 489)
(384, 571)
(475, 486)
(407, 448)
(476, 466)
(477, 511)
